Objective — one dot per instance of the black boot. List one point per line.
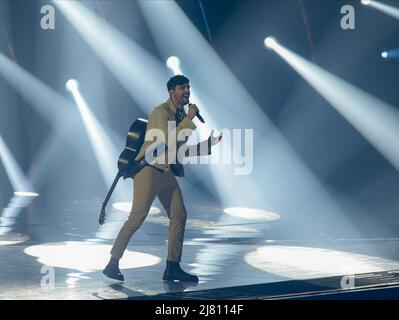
(112, 270)
(174, 272)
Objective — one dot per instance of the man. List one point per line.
(157, 179)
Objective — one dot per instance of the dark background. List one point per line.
(333, 150)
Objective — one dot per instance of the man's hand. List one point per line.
(214, 140)
(192, 111)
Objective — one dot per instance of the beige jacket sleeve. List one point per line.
(202, 148)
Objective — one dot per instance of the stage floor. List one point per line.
(44, 256)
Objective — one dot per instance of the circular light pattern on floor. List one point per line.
(26, 194)
(9, 243)
(86, 257)
(251, 214)
(309, 263)
(197, 224)
(190, 224)
(127, 207)
(212, 227)
(8, 239)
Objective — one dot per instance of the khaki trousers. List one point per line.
(148, 184)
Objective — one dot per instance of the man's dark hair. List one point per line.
(176, 81)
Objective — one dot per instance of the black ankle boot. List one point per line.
(174, 272)
(112, 270)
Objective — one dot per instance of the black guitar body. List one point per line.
(127, 166)
(135, 138)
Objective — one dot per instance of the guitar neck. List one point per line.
(111, 190)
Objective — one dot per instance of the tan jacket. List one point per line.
(158, 119)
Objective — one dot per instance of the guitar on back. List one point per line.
(127, 166)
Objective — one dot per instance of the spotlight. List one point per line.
(365, 2)
(71, 85)
(270, 42)
(384, 54)
(355, 105)
(173, 62)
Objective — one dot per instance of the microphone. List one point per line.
(200, 118)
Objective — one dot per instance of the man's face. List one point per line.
(181, 94)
